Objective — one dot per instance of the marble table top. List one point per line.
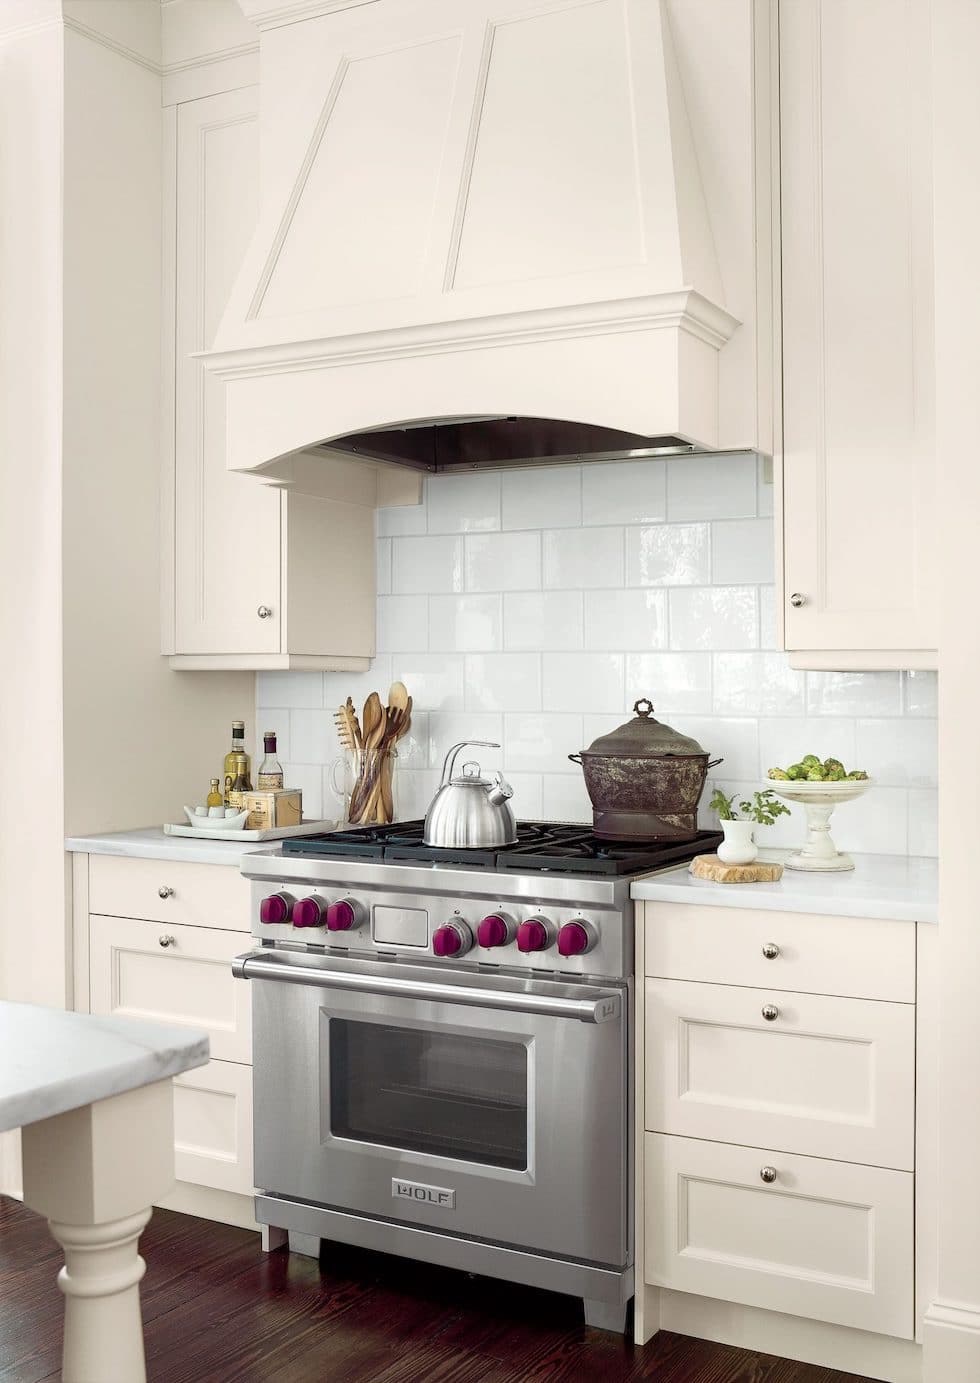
(54, 1061)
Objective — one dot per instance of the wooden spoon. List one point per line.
(373, 725)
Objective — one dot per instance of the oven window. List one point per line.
(429, 1092)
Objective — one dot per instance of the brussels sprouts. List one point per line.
(816, 775)
(796, 771)
(835, 775)
(858, 775)
(833, 766)
(779, 773)
(810, 761)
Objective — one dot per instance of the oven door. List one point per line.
(478, 1105)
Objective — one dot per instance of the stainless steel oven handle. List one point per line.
(601, 1009)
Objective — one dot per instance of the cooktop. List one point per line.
(541, 845)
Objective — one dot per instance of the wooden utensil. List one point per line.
(373, 725)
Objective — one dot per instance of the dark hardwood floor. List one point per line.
(218, 1310)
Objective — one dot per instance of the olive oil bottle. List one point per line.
(237, 765)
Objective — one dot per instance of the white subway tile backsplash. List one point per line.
(625, 619)
(542, 743)
(270, 718)
(854, 693)
(624, 492)
(611, 582)
(540, 620)
(583, 681)
(716, 617)
(582, 558)
(286, 689)
(902, 754)
(403, 623)
(742, 551)
(464, 503)
(426, 565)
(674, 554)
(503, 681)
(711, 487)
(545, 498)
(503, 561)
(674, 682)
(465, 623)
(757, 684)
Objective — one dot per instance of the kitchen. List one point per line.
(526, 605)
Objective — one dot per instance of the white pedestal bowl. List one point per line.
(819, 854)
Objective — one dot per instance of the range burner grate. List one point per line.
(541, 845)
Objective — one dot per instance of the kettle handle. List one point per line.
(575, 758)
(450, 760)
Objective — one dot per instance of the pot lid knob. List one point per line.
(643, 701)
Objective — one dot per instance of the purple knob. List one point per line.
(276, 908)
(573, 939)
(532, 936)
(446, 941)
(308, 912)
(342, 916)
(493, 931)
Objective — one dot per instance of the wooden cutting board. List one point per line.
(759, 872)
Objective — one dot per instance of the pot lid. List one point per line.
(643, 738)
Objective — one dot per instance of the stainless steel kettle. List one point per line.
(470, 811)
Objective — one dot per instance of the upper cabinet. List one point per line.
(858, 466)
(254, 576)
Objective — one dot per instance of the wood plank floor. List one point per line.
(218, 1310)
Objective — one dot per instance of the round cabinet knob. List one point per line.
(496, 930)
(768, 1175)
(276, 908)
(168, 941)
(165, 891)
(770, 1012)
(453, 939)
(577, 937)
(310, 912)
(536, 934)
(796, 600)
(264, 612)
(344, 915)
(770, 950)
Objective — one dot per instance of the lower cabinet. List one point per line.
(164, 954)
(826, 1240)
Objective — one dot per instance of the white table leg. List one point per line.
(95, 1172)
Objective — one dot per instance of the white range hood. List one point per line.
(494, 210)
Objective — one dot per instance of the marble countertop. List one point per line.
(151, 843)
(54, 1061)
(904, 888)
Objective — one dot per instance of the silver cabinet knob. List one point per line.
(768, 1175)
(770, 1012)
(165, 891)
(796, 600)
(168, 941)
(770, 950)
(264, 612)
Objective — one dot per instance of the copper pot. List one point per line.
(645, 780)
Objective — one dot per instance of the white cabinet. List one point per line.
(858, 457)
(254, 576)
(776, 1099)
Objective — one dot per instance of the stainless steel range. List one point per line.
(442, 1051)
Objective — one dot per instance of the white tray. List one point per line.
(308, 828)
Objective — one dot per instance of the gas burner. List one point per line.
(561, 848)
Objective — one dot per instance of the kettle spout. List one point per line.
(499, 791)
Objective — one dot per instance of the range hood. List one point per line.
(486, 235)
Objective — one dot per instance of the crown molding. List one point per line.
(105, 41)
(273, 14)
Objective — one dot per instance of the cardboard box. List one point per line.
(267, 810)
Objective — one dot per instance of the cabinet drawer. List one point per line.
(213, 1126)
(861, 957)
(199, 895)
(188, 981)
(828, 1077)
(825, 1240)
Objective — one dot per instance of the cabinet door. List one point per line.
(213, 1126)
(820, 1239)
(227, 550)
(172, 974)
(858, 431)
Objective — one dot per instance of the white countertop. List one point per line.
(55, 1061)
(905, 888)
(151, 843)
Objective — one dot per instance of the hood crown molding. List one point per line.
(273, 14)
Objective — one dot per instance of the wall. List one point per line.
(533, 607)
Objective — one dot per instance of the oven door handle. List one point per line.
(602, 1008)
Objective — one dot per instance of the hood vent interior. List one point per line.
(493, 443)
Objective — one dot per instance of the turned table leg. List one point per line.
(95, 1172)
